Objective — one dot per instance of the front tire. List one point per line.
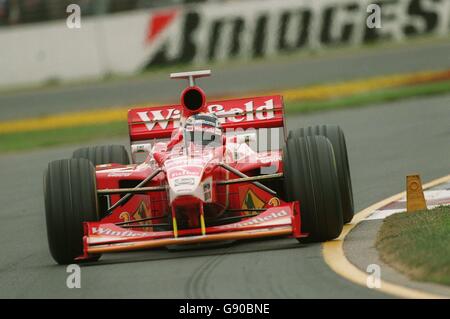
(70, 199)
(337, 138)
(310, 177)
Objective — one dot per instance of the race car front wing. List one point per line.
(283, 220)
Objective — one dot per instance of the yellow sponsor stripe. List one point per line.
(334, 254)
(316, 92)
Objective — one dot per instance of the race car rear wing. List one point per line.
(151, 123)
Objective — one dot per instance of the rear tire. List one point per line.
(310, 177)
(104, 154)
(70, 199)
(337, 138)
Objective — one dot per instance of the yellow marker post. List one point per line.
(174, 223)
(415, 199)
(202, 220)
(202, 224)
(175, 228)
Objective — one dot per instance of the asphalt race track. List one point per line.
(385, 142)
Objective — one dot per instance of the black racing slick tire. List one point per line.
(337, 138)
(104, 154)
(70, 199)
(310, 177)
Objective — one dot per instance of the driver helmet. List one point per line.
(203, 129)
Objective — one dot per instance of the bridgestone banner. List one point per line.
(130, 42)
(250, 29)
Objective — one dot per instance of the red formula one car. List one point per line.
(200, 172)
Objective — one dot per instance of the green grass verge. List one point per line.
(29, 140)
(417, 244)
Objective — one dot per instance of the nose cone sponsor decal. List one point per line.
(183, 177)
